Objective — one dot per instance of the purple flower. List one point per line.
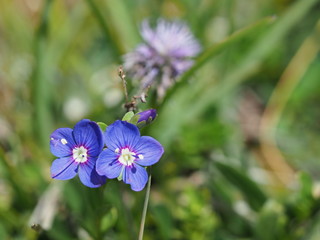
(146, 117)
(165, 55)
(128, 154)
(77, 151)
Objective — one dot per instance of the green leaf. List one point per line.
(103, 126)
(271, 222)
(134, 120)
(128, 116)
(254, 195)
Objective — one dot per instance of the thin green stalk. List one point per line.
(40, 90)
(116, 51)
(145, 208)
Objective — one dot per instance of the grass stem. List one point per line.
(144, 211)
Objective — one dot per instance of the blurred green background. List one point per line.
(240, 129)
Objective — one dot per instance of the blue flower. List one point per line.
(165, 55)
(128, 154)
(77, 151)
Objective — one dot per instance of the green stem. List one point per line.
(145, 207)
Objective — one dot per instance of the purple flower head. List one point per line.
(128, 154)
(165, 55)
(77, 151)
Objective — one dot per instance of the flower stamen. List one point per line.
(80, 154)
(127, 157)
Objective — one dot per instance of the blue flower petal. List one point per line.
(88, 175)
(108, 164)
(121, 134)
(136, 176)
(87, 133)
(62, 142)
(149, 149)
(64, 168)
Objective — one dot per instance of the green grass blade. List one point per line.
(107, 32)
(255, 197)
(40, 90)
(120, 21)
(116, 25)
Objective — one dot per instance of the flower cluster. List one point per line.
(165, 55)
(118, 152)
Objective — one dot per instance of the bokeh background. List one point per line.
(240, 129)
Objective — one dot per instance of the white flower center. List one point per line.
(80, 154)
(126, 157)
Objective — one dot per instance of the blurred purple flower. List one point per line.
(77, 151)
(165, 55)
(128, 154)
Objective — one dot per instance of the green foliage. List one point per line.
(271, 222)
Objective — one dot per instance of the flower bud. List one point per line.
(146, 117)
